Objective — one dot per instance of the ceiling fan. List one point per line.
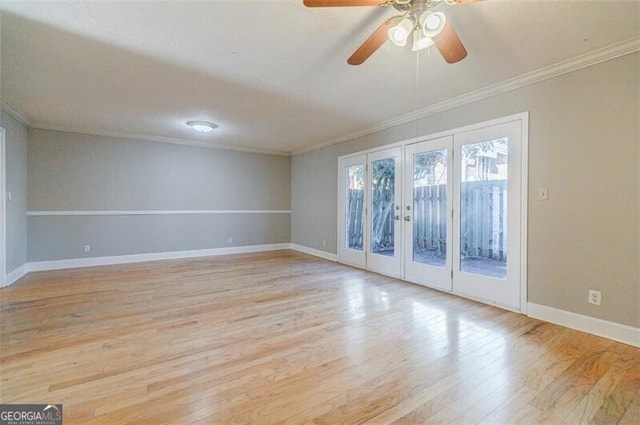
(417, 19)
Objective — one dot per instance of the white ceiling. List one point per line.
(272, 74)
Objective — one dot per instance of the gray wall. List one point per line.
(76, 172)
(16, 183)
(583, 145)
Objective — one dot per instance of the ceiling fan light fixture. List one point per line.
(432, 23)
(399, 34)
(202, 126)
(420, 41)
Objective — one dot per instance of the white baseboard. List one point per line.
(315, 252)
(611, 330)
(16, 274)
(73, 263)
(138, 258)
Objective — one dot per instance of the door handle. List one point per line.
(397, 217)
(407, 218)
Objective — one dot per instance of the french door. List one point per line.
(427, 212)
(444, 213)
(487, 213)
(370, 228)
(384, 225)
(351, 204)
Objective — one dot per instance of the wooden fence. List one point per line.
(430, 218)
(355, 229)
(483, 222)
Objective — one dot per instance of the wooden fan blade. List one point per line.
(343, 3)
(372, 43)
(449, 45)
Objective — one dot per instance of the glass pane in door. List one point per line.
(430, 208)
(383, 173)
(355, 205)
(483, 208)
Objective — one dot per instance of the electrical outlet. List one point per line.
(87, 248)
(595, 297)
(229, 239)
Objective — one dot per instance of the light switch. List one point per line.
(9, 196)
(543, 194)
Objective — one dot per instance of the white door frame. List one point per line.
(523, 117)
(3, 208)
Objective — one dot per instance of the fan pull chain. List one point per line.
(417, 93)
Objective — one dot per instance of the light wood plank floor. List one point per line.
(284, 337)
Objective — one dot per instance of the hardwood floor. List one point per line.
(284, 337)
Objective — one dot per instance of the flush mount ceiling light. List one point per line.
(202, 126)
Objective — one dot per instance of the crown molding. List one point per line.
(585, 60)
(19, 116)
(25, 120)
(564, 67)
(158, 139)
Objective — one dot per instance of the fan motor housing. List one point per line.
(415, 7)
